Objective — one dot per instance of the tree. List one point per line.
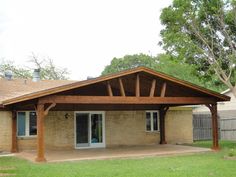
(203, 33)
(48, 70)
(130, 61)
(162, 63)
(18, 72)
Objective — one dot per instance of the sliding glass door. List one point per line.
(89, 129)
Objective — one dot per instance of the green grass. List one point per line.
(223, 144)
(197, 165)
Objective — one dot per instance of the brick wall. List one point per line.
(121, 128)
(128, 128)
(5, 130)
(59, 131)
(179, 128)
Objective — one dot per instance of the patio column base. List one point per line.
(40, 159)
(163, 142)
(215, 148)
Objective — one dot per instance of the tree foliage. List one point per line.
(162, 63)
(203, 33)
(48, 69)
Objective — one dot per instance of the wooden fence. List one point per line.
(202, 127)
(228, 129)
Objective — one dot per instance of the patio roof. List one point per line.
(141, 82)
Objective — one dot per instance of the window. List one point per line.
(26, 123)
(152, 121)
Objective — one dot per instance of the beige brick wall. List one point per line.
(128, 128)
(5, 130)
(121, 128)
(59, 131)
(26, 143)
(179, 127)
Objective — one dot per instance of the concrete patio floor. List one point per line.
(111, 153)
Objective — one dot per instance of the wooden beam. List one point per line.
(40, 133)
(48, 108)
(14, 133)
(124, 100)
(122, 90)
(137, 88)
(215, 135)
(152, 90)
(109, 89)
(162, 113)
(163, 90)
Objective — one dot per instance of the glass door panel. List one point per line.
(96, 128)
(82, 129)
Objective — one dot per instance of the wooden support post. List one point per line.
(122, 90)
(152, 91)
(163, 90)
(109, 90)
(40, 133)
(137, 88)
(162, 113)
(215, 135)
(14, 132)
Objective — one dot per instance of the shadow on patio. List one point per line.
(110, 153)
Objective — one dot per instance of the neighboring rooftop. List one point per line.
(17, 87)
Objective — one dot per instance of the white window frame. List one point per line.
(91, 145)
(27, 124)
(152, 125)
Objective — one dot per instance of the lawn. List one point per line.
(201, 165)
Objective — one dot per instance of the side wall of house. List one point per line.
(5, 130)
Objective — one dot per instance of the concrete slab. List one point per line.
(112, 153)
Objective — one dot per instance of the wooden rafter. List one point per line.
(152, 90)
(137, 87)
(124, 100)
(122, 90)
(109, 89)
(163, 90)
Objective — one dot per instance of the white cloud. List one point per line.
(81, 35)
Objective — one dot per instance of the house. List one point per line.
(133, 107)
(226, 114)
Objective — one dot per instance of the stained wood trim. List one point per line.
(122, 90)
(215, 134)
(163, 90)
(137, 87)
(48, 108)
(153, 87)
(125, 100)
(109, 89)
(162, 112)
(40, 133)
(14, 147)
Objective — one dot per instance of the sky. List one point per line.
(83, 36)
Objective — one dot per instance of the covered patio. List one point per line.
(114, 153)
(137, 89)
